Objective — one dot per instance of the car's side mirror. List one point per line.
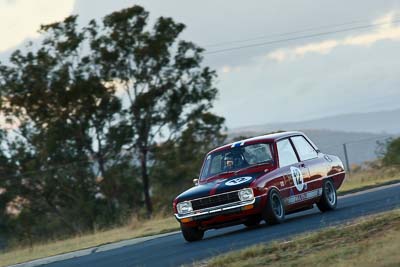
(195, 181)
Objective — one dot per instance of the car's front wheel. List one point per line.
(274, 211)
(192, 233)
(328, 200)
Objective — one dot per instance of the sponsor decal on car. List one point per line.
(304, 196)
(239, 180)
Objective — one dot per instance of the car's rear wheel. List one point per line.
(252, 221)
(192, 233)
(328, 200)
(274, 211)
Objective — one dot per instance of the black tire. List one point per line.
(252, 221)
(274, 211)
(192, 234)
(328, 200)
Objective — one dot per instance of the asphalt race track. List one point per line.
(173, 250)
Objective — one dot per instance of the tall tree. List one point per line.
(89, 110)
(65, 128)
(162, 78)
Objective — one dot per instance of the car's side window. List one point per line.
(304, 149)
(286, 154)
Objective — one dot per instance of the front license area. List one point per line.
(217, 204)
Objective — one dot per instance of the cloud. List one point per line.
(20, 20)
(388, 31)
(322, 48)
(278, 55)
(228, 69)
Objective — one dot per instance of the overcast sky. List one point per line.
(351, 71)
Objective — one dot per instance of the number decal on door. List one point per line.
(298, 178)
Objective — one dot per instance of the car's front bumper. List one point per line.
(224, 213)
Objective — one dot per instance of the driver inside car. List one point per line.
(228, 162)
(234, 161)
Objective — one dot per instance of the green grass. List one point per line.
(358, 180)
(371, 241)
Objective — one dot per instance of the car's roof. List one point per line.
(268, 138)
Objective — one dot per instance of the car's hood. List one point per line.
(218, 186)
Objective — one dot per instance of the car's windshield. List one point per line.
(236, 158)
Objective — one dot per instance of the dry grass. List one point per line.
(373, 176)
(372, 241)
(138, 228)
(135, 228)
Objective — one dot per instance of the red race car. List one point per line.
(261, 178)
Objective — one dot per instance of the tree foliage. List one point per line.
(392, 153)
(98, 118)
(178, 162)
(165, 85)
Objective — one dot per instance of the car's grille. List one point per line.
(216, 200)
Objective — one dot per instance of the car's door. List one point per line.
(295, 173)
(311, 160)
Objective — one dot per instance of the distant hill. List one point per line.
(361, 132)
(361, 147)
(373, 122)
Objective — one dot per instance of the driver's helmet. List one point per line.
(228, 161)
(233, 160)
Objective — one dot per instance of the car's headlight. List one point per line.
(184, 207)
(246, 194)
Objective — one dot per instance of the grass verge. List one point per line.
(135, 229)
(370, 241)
(362, 179)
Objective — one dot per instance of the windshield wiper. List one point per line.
(251, 166)
(227, 172)
(218, 174)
